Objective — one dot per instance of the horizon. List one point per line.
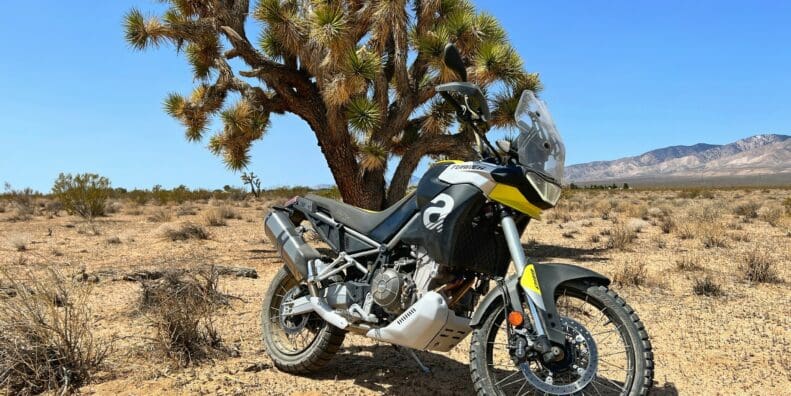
(679, 73)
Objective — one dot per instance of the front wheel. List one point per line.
(607, 350)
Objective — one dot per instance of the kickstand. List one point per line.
(412, 353)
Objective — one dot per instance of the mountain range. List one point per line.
(760, 157)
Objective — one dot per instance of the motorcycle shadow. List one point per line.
(389, 371)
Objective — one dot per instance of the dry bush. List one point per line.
(771, 214)
(787, 205)
(46, 336)
(213, 218)
(559, 214)
(707, 286)
(758, 266)
(658, 241)
(620, 237)
(18, 242)
(2, 207)
(686, 231)
(82, 194)
(595, 238)
(667, 224)
(133, 209)
(185, 210)
(713, 235)
(636, 225)
(688, 263)
(113, 207)
(182, 231)
(631, 274)
(747, 209)
(114, 240)
(160, 215)
(89, 229)
(740, 237)
(639, 211)
(181, 306)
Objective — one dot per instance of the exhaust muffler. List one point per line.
(292, 248)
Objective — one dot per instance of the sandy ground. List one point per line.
(739, 343)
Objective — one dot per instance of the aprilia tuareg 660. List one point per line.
(433, 268)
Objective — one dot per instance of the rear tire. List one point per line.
(327, 339)
(638, 363)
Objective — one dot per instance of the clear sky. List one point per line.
(621, 77)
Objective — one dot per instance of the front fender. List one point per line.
(550, 276)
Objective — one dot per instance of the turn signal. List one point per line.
(515, 318)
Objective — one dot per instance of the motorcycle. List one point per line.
(432, 269)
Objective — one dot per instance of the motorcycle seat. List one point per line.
(378, 226)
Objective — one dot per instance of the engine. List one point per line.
(397, 287)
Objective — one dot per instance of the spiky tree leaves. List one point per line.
(360, 73)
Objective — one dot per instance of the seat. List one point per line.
(379, 226)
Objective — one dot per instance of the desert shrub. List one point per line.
(181, 306)
(620, 237)
(636, 225)
(688, 194)
(21, 203)
(688, 263)
(713, 235)
(160, 215)
(658, 241)
(113, 240)
(217, 216)
(113, 207)
(631, 273)
(2, 207)
(89, 229)
(707, 286)
(639, 211)
(595, 238)
(183, 231)
(667, 224)
(748, 210)
(46, 336)
(82, 194)
(53, 207)
(787, 205)
(560, 214)
(686, 231)
(758, 266)
(656, 212)
(18, 242)
(185, 210)
(771, 214)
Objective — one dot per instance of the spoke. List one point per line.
(613, 365)
(507, 377)
(612, 384)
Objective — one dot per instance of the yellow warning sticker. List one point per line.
(529, 279)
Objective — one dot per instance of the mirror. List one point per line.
(452, 59)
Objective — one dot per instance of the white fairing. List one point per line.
(427, 325)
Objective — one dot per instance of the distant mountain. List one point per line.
(757, 155)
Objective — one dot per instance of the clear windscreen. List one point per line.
(539, 146)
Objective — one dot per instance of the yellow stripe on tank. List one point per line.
(511, 196)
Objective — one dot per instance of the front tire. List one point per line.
(297, 345)
(625, 360)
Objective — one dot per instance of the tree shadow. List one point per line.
(547, 253)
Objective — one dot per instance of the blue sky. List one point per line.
(621, 77)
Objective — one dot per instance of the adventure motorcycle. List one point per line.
(414, 274)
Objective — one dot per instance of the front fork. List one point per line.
(543, 321)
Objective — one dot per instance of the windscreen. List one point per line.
(539, 146)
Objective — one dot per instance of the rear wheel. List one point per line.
(607, 350)
(297, 344)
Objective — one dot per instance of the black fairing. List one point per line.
(430, 186)
(469, 238)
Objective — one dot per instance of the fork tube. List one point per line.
(512, 238)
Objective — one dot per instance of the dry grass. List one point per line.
(217, 216)
(182, 307)
(631, 273)
(688, 262)
(759, 267)
(747, 209)
(160, 215)
(707, 286)
(621, 237)
(46, 336)
(771, 214)
(182, 231)
(18, 242)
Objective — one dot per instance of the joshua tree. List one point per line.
(252, 180)
(360, 73)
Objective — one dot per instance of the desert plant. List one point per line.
(18, 242)
(707, 286)
(667, 224)
(758, 266)
(747, 209)
(713, 235)
(686, 231)
(185, 210)
(113, 240)
(620, 237)
(631, 273)
(183, 231)
(787, 205)
(46, 336)
(771, 214)
(688, 263)
(181, 307)
(160, 215)
(22, 207)
(83, 194)
(361, 74)
(253, 181)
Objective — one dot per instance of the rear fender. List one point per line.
(549, 276)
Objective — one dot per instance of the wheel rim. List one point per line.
(606, 372)
(292, 335)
